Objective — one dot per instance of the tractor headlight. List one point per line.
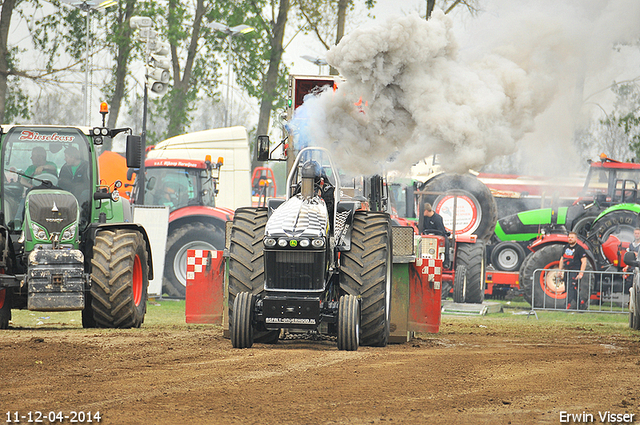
(318, 243)
(269, 242)
(304, 243)
(283, 242)
(38, 232)
(69, 233)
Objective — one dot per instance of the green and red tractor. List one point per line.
(66, 241)
(604, 217)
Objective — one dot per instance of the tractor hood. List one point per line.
(299, 217)
(526, 225)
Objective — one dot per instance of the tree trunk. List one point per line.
(430, 5)
(178, 101)
(271, 79)
(5, 21)
(123, 41)
(342, 17)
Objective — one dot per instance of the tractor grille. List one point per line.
(55, 211)
(294, 270)
(402, 240)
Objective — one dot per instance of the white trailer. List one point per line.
(230, 143)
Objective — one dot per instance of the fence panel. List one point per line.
(597, 291)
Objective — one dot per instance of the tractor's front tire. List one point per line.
(119, 278)
(242, 331)
(246, 262)
(348, 323)
(507, 256)
(88, 321)
(188, 236)
(366, 273)
(5, 308)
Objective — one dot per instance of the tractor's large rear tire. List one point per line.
(366, 273)
(545, 287)
(484, 210)
(188, 236)
(5, 308)
(246, 262)
(119, 277)
(242, 331)
(618, 223)
(473, 257)
(348, 323)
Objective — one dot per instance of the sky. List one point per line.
(518, 79)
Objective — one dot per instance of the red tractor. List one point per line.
(188, 187)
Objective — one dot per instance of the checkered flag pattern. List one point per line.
(197, 260)
(432, 268)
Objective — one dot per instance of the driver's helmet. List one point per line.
(313, 169)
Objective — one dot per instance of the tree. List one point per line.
(271, 78)
(5, 21)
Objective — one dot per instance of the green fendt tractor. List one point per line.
(67, 242)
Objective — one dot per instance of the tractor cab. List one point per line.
(37, 164)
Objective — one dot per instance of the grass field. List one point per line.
(165, 313)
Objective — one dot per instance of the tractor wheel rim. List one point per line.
(180, 260)
(550, 282)
(508, 258)
(137, 281)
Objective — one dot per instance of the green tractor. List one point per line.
(603, 217)
(66, 241)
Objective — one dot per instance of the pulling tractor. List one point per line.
(67, 242)
(317, 261)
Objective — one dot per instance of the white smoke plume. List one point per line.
(420, 96)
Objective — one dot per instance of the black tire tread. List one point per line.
(242, 332)
(246, 261)
(112, 276)
(364, 273)
(473, 257)
(348, 321)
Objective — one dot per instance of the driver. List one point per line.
(74, 173)
(39, 165)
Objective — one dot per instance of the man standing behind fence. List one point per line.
(574, 257)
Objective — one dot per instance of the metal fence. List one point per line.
(597, 291)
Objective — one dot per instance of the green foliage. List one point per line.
(626, 114)
(16, 103)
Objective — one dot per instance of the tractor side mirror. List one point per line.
(630, 259)
(134, 151)
(262, 148)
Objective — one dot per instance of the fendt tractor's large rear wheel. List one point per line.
(246, 262)
(473, 257)
(348, 323)
(366, 273)
(242, 331)
(188, 236)
(478, 211)
(5, 308)
(119, 277)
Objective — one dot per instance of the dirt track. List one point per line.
(469, 373)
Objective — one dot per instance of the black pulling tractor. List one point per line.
(312, 262)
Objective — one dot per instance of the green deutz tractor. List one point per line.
(603, 217)
(67, 242)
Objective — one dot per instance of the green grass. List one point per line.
(160, 313)
(163, 313)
